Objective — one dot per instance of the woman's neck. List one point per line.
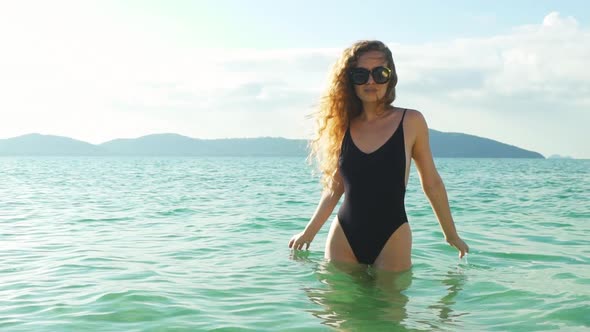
(372, 111)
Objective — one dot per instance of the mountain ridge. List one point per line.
(450, 145)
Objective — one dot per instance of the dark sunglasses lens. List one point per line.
(381, 75)
(359, 76)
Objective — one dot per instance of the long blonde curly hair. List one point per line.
(340, 104)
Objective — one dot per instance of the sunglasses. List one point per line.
(360, 76)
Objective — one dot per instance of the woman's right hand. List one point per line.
(298, 240)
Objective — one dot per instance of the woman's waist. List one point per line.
(393, 208)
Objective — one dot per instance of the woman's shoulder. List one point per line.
(409, 111)
(413, 115)
(414, 122)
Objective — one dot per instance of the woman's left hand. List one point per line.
(459, 244)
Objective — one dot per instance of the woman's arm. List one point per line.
(327, 203)
(432, 183)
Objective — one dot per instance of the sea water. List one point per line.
(190, 244)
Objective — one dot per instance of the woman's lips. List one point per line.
(370, 90)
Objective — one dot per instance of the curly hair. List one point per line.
(340, 104)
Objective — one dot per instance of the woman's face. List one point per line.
(371, 92)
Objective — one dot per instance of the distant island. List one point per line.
(446, 145)
(556, 156)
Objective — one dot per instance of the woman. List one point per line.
(364, 146)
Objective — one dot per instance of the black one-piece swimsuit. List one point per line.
(374, 192)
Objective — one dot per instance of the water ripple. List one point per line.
(150, 244)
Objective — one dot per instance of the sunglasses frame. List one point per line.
(373, 72)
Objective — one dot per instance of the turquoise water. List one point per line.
(188, 244)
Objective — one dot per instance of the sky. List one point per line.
(513, 71)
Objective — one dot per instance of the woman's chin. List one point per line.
(369, 99)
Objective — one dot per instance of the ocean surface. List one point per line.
(191, 244)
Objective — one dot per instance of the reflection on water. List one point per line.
(454, 280)
(355, 297)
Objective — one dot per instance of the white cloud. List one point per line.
(527, 88)
(553, 19)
